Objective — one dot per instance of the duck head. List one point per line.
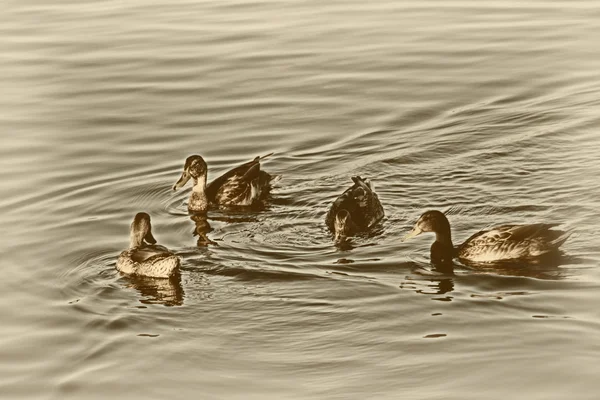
(342, 225)
(194, 167)
(431, 221)
(141, 231)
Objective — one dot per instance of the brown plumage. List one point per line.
(355, 210)
(501, 243)
(245, 185)
(144, 257)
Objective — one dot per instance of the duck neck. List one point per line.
(135, 239)
(200, 185)
(442, 250)
(444, 237)
(198, 198)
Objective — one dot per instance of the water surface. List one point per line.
(486, 110)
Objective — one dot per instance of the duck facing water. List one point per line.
(244, 185)
(501, 243)
(144, 257)
(355, 210)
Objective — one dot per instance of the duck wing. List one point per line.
(239, 171)
(539, 238)
(236, 184)
(145, 253)
(368, 202)
(361, 202)
(507, 242)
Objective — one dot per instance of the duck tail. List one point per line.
(561, 239)
(357, 179)
(275, 178)
(265, 156)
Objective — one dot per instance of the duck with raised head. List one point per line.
(500, 243)
(355, 210)
(245, 185)
(144, 257)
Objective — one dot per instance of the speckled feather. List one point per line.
(362, 206)
(501, 243)
(512, 242)
(244, 185)
(161, 264)
(144, 257)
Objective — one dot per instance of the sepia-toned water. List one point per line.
(487, 110)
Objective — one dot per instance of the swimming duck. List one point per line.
(244, 185)
(144, 257)
(355, 210)
(501, 243)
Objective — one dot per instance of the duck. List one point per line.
(244, 185)
(144, 257)
(497, 244)
(356, 210)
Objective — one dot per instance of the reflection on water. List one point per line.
(201, 229)
(168, 292)
(430, 285)
(545, 267)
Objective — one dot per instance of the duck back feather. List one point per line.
(357, 209)
(512, 242)
(152, 261)
(241, 186)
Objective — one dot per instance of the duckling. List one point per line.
(501, 243)
(144, 257)
(244, 185)
(355, 210)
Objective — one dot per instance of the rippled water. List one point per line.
(487, 110)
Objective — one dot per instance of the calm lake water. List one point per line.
(485, 109)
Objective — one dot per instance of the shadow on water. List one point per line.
(248, 274)
(233, 219)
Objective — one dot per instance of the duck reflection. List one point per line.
(443, 267)
(436, 287)
(431, 287)
(201, 229)
(546, 267)
(434, 281)
(445, 286)
(344, 244)
(168, 292)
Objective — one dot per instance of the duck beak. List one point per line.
(415, 232)
(185, 176)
